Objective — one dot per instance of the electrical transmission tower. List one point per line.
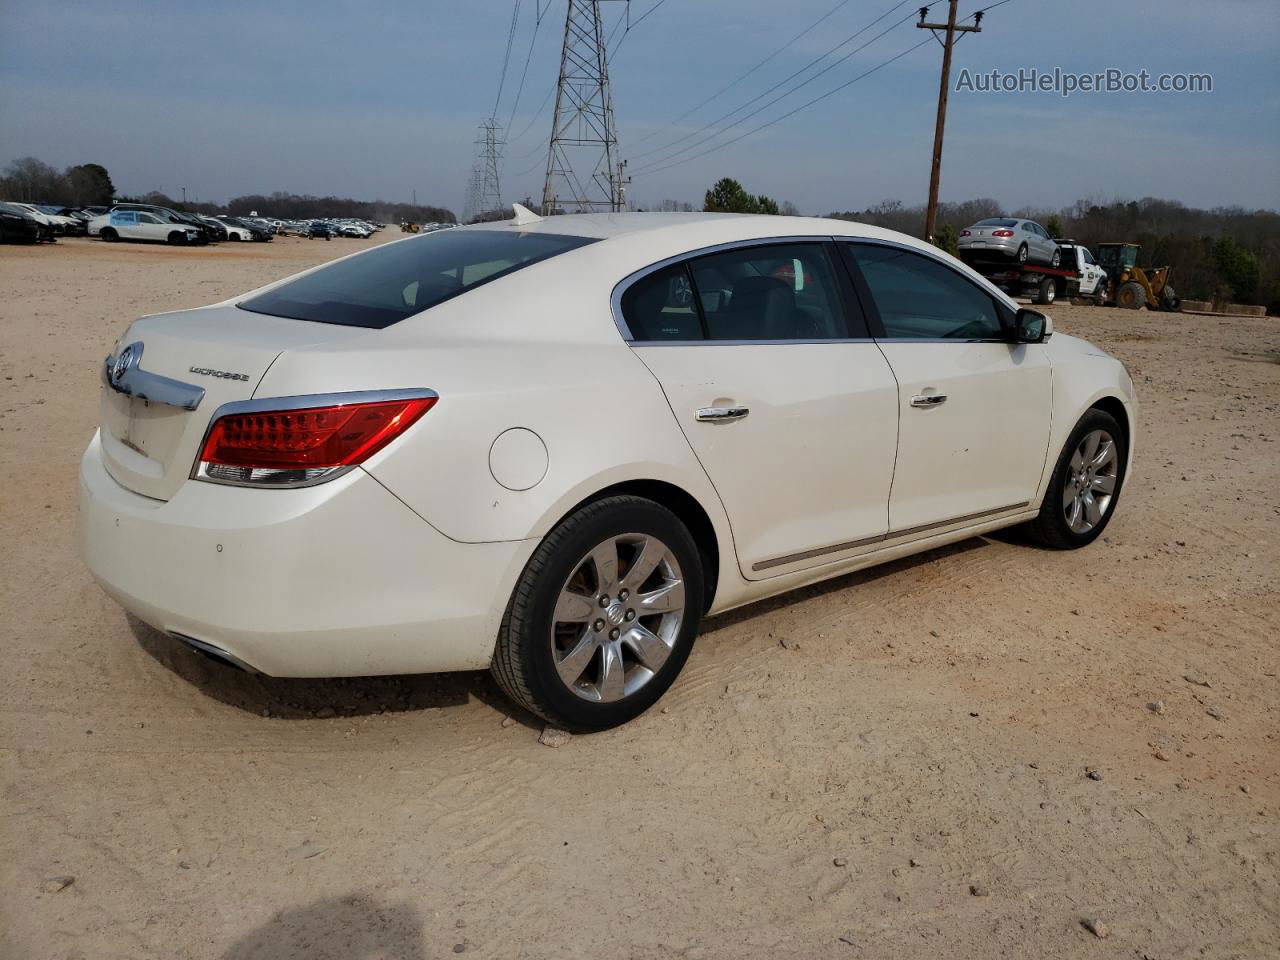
(484, 192)
(584, 172)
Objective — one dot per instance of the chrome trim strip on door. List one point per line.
(123, 375)
(882, 538)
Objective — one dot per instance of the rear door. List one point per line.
(788, 405)
(974, 408)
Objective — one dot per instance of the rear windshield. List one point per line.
(996, 223)
(388, 284)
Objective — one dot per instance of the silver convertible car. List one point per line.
(549, 447)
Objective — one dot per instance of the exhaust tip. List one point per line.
(212, 652)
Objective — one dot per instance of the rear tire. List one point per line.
(1056, 260)
(1047, 293)
(1082, 484)
(1022, 253)
(576, 646)
(1131, 296)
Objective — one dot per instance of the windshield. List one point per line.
(996, 223)
(390, 283)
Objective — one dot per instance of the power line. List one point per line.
(742, 76)
(792, 113)
(511, 36)
(537, 25)
(536, 117)
(785, 93)
(812, 63)
(631, 26)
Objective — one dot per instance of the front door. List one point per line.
(792, 413)
(974, 407)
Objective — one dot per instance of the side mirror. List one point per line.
(1031, 326)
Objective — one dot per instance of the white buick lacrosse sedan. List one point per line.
(550, 447)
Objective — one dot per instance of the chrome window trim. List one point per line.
(297, 402)
(135, 382)
(623, 285)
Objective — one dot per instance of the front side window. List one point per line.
(390, 283)
(920, 298)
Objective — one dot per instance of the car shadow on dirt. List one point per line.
(350, 926)
(317, 699)
(291, 698)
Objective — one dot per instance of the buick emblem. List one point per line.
(128, 357)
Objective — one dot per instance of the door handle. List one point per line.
(928, 400)
(716, 414)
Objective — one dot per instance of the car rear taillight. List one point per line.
(1002, 233)
(964, 233)
(298, 441)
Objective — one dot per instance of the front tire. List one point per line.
(109, 235)
(1085, 485)
(1131, 296)
(603, 616)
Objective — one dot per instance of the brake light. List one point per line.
(964, 233)
(1002, 233)
(303, 445)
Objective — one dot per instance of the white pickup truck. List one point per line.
(1077, 275)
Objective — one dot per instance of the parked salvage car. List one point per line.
(236, 229)
(217, 227)
(19, 226)
(58, 225)
(551, 446)
(143, 225)
(319, 229)
(1007, 237)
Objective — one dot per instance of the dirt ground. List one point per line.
(891, 765)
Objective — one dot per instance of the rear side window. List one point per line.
(390, 283)
(660, 306)
(754, 293)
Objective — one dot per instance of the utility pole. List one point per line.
(584, 172)
(951, 28)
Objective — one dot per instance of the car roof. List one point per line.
(734, 226)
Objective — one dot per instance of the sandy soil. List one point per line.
(893, 764)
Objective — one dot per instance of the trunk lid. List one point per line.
(149, 446)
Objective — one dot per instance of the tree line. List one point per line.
(1222, 254)
(31, 180)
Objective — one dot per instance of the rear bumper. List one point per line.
(991, 248)
(340, 579)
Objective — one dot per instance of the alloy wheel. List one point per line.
(617, 617)
(1090, 484)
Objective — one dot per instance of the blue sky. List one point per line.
(376, 99)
